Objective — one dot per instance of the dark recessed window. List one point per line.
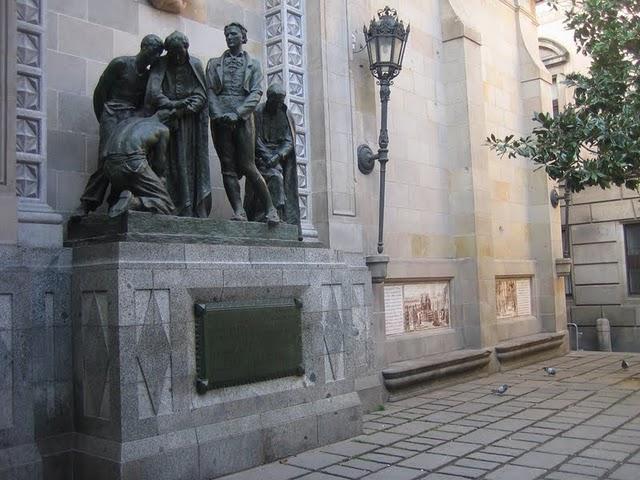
(632, 256)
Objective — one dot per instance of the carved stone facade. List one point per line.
(39, 225)
(286, 64)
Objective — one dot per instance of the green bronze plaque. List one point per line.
(239, 343)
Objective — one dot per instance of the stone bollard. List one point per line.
(604, 334)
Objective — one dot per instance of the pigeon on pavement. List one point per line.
(550, 370)
(624, 364)
(501, 389)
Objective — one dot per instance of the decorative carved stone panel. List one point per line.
(28, 49)
(275, 77)
(332, 327)
(6, 361)
(153, 352)
(360, 324)
(27, 184)
(297, 110)
(302, 175)
(29, 11)
(95, 354)
(274, 55)
(295, 54)
(28, 92)
(273, 25)
(301, 145)
(294, 25)
(304, 211)
(27, 135)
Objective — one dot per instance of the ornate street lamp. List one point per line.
(386, 40)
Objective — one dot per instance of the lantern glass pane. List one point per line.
(371, 50)
(397, 50)
(386, 42)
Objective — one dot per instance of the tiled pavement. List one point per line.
(584, 423)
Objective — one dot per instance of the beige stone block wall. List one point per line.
(83, 36)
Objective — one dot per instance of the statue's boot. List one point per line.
(240, 216)
(127, 201)
(272, 217)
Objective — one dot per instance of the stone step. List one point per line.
(518, 348)
(409, 373)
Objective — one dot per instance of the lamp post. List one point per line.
(386, 40)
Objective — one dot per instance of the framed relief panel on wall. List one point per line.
(417, 306)
(513, 297)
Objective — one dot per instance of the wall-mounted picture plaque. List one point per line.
(513, 297)
(239, 343)
(417, 306)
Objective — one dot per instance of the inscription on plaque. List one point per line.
(239, 343)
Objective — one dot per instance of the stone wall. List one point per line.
(599, 278)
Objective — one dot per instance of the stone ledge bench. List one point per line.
(411, 373)
(518, 348)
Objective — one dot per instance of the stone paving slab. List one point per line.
(583, 423)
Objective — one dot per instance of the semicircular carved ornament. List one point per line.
(552, 53)
(171, 6)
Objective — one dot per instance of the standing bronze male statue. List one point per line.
(275, 159)
(177, 83)
(118, 95)
(235, 87)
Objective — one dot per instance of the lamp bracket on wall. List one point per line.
(366, 159)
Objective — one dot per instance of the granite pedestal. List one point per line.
(138, 414)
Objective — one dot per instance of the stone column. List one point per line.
(546, 240)
(469, 166)
(38, 224)
(8, 219)
(285, 37)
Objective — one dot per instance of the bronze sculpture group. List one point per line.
(153, 150)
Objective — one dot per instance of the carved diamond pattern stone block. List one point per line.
(274, 55)
(272, 4)
(359, 324)
(275, 77)
(296, 86)
(95, 354)
(28, 92)
(297, 111)
(28, 49)
(332, 327)
(27, 135)
(6, 362)
(26, 180)
(294, 25)
(301, 146)
(302, 176)
(303, 207)
(295, 54)
(28, 11)
(295, 3)
(273, 25)
(154, 353)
